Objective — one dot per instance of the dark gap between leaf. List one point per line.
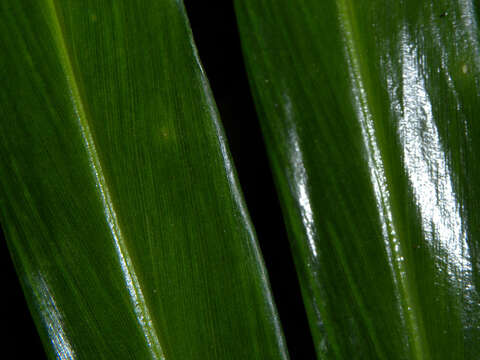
(214, 28)
(20, 335)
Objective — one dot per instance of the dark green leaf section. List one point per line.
(118, 198)
(369, 110)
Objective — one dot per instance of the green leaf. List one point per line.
(369, 110)
(118, 197)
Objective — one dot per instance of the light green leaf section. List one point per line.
(369, 111)
(118, 198)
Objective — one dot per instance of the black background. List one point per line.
(216, 36)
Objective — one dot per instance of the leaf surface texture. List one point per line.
(118, 197)
(369, 111)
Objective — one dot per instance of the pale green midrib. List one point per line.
(141, 310)
(347, 19)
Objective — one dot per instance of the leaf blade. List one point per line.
(120, 205)
(376, 193)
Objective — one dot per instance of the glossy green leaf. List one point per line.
(369, 110)
(118, 197)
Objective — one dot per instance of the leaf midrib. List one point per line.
(359, 77)
(139, 304)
